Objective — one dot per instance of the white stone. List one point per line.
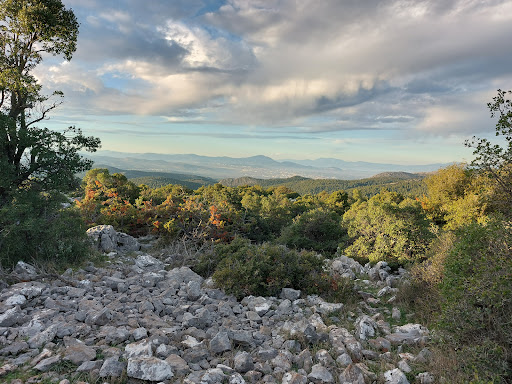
(261, 308)
(236, 378)
(365, 327)
(149, 368)
(425, 378)
(138, 349)
(320, 374)
(10, 317)
(403, 366)
(395, 376)
(190, 342)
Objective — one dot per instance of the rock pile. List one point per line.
(107, 239)
(137, 320)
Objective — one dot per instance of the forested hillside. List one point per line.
(409, 184)
(405, 183)
(160, 179)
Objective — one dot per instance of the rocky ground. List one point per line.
(137, 320)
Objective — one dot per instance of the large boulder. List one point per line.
(25, 272)
(107, 239)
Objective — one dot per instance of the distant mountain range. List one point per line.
(262, 167)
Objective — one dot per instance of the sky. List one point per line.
(395, 81)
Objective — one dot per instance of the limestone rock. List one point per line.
(138, 349)
(193, 290)
(236, 378)
(352, 375)
(425, 378)
(11, 317)
(320, 374)
(112, 367)
(290, 294)
(365, 327)
(79, 353)
(220, 343)
(45, 364)
(25, 271)
(395, 376)
(260, 305)
(106, 239)
(213, 376)
(243, 362)
(294, 378)
(178, 365)
(149, 368)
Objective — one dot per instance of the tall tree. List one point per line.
(495, 160)
(28, 154)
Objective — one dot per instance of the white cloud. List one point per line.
(400, 64)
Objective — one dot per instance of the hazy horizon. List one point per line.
(108, 151)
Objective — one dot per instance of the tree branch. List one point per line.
(43, 115)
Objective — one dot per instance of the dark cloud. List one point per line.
(343, 100)
(136, 46)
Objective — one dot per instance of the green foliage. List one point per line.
(477, 285)
(387, 227)
(159, 195)
(207, 263)
(368, 187)
(29, 154)
(243, 269)
(36, 164)
(34, 228)
(484, 362)
(103, 184)
(455, 197)
(494, 161)
(318, 230)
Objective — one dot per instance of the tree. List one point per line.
(39, 157)
(494, 160)
(36, 164)
(456, 197)
(387, 227)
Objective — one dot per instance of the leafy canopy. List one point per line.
(494, 160)
(30, 155)
(36, 163)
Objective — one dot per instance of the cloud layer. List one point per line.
(424, 67)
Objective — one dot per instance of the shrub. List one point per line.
(34, 228)
(387, 227)
(208, 262)
(481, 363)
(318, 230)
(431, 271)
(477, 293)
(244, 269)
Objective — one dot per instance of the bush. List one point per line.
(467, 364)
(431, 271)
(243, 269)
(477, 294)
(208, 262)
(264, 270)
(387, 227)
(34, 228)
(318, 230)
